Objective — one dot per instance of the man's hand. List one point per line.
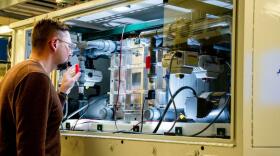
(68, 80)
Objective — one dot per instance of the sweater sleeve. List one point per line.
(62, 97)
(32, 102)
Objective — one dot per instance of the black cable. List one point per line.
(174, 122)
(228, 82)
(129, 131)
(214, 120)
(142, 114)
(169, 103)
(169, 90)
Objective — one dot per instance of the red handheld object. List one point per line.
(148, 62)
(77, 68)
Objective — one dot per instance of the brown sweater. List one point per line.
(30, 112)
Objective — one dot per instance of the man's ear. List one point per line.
(53, 44)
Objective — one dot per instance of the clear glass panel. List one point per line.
(169, 71)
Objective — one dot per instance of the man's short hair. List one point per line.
(43, 29)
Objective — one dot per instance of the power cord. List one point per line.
(81, 117)
(169, 90)
(66, 108)
(142, 114)
(84, 107)
(169, 103)
(215, 119)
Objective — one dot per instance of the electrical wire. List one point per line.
(84, 107)
(141, 122)
(174, 123)
(142, 114)
(66, 112)
(214, 120)
(136, 125)
(227, 63)
(129, 131)
(228, 84)
(81, 116)
(169, 103)
(84, 123)
(88, 105)
(66, 108)
(229, 66)
(119, 82)
(169, 90)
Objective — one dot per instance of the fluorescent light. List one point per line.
(95, 16)
(153, 2)
(175, 8)
(59, 1)
(122, 9)
(126, 20)
(212, 16)
(219, 3)
(5, 29)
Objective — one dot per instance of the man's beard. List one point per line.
(63, 66)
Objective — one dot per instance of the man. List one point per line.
(30, 108)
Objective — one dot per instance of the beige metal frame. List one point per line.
(87, 143)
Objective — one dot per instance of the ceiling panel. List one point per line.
(23, 9)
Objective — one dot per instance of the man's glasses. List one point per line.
(70, 45)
